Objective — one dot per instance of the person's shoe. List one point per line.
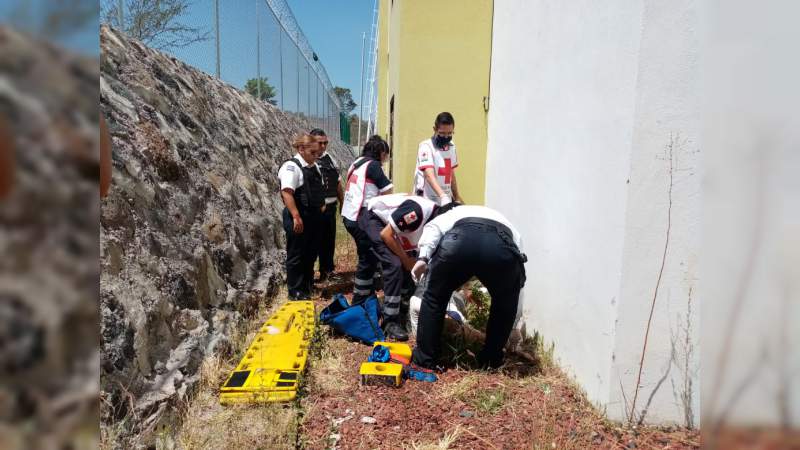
(395, 331)
(490, 363)
(418, 373)
(300, 296)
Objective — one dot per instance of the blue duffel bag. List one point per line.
(359, 321)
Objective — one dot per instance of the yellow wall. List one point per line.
(434, 56)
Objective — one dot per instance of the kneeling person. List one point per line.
(465, 242)
(393, 224)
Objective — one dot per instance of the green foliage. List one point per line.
(345, 99)
(261, 89)
(478, 308)
(489, 401)
(543, 353)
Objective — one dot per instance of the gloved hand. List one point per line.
(418, 270)
(445, 200)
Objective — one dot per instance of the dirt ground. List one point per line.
(464, 409)
(517, 407)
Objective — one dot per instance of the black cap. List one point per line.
(408, 216)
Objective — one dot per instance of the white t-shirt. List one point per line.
(363, 183)
(406, 214)
(436, 228)
(290, 175)
(442, 161)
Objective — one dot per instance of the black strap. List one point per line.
(502, 230)
(369, 319)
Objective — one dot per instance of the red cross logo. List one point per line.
(407, 245)
(353, 179)
(446, 171)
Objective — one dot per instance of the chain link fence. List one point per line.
(254, 45)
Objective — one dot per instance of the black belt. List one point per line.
(501, 229)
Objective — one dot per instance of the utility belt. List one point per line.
(503, 232)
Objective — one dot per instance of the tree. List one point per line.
(345, 99)
(261, 89)
(155, 22)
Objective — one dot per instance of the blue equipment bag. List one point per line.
(359, 321)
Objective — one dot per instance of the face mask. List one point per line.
(441, 141)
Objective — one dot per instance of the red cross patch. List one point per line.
(410, 218)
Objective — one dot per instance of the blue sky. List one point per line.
(333, 28)
(85, 40)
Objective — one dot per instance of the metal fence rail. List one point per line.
(241, 43)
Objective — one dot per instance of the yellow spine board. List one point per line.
(270, 368)
(381, 374)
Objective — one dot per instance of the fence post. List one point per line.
(280, 55)
(361, 102)
(121, 14)
(297, 54)
(258, 52)
(216, 28)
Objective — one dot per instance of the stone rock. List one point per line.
(192, 236)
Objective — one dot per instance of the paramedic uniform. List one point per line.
(330, 175)
(306, 184)
(406, 214)
(365, 180)
(443, 161)
(464, 242)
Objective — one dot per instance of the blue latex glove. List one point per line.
(379, 354)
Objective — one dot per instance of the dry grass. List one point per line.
(329, 369)
(445, 443)
(208, 425)
(460, 389)
(346, 256)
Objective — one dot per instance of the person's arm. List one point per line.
(388, 237)
(431, 235)
(288, 200)
(340, 194)
(382, 182)
(430, 177)
(454, 187)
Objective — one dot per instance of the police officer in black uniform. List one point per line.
(468, 241)
(302, 191)
(333, 194)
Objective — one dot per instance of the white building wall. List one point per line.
(585, 98)
(665, 141)
(560, 129)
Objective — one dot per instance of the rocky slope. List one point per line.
(49, 209)
(191, 236)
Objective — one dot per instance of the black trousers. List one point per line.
(327, 239)
(301, 252)
(467, 250)
(396, 280)
(367, 260)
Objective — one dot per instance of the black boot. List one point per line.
(394, 330)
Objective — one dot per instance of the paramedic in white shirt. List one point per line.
(468, 241)
(434, 175)
(302, 192)
(393, 224)
(365, 180)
